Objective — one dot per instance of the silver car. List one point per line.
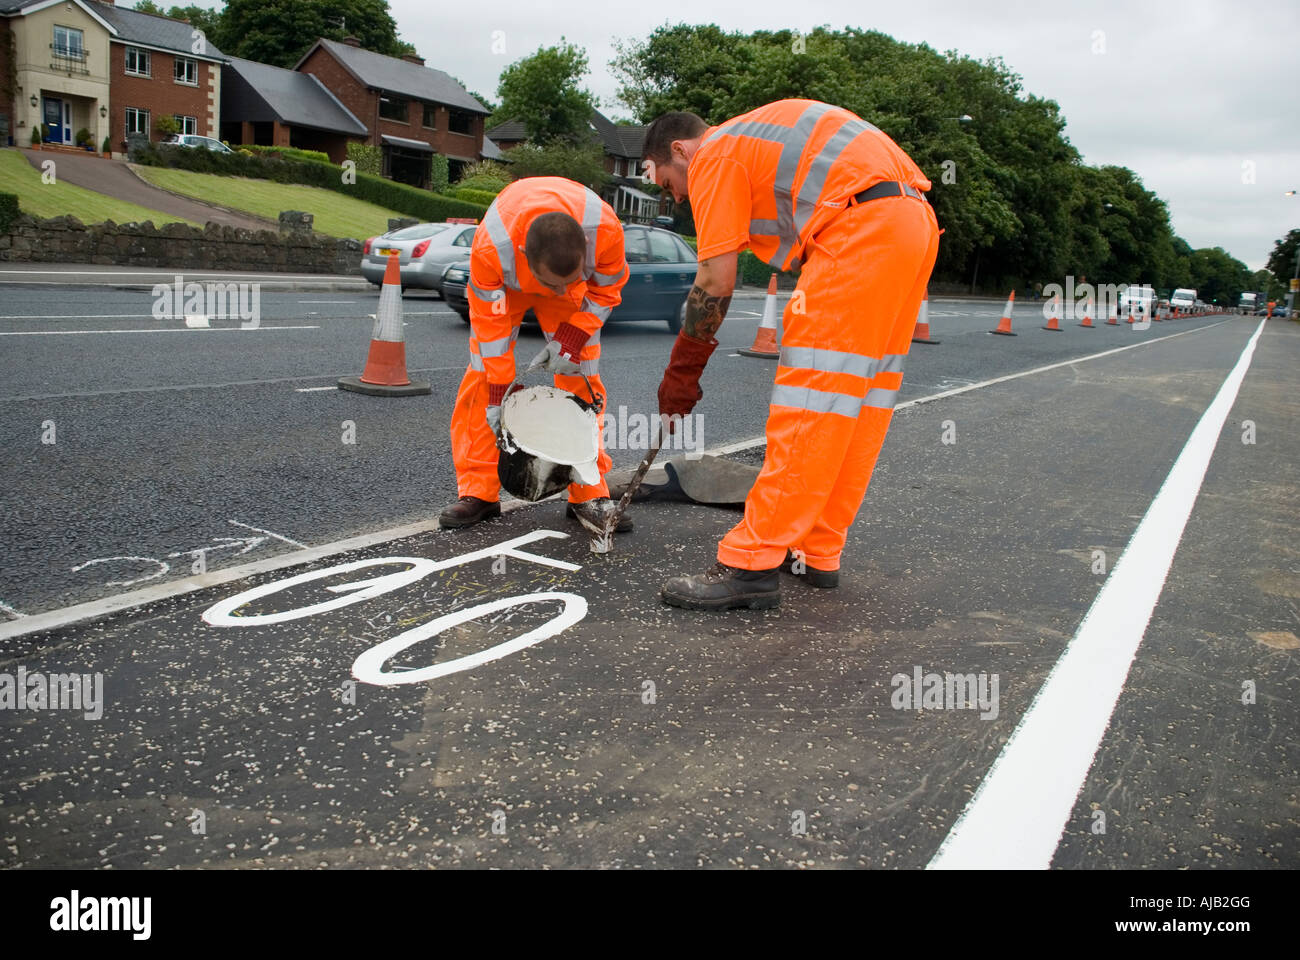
(426, 250)
(197, 142)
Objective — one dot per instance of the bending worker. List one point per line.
(799, 182)
(552, 245)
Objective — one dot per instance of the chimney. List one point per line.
(414, 58)
(352, 41)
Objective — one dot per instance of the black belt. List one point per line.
(888, 188)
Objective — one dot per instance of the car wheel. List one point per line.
(677, 319)
(464, 315)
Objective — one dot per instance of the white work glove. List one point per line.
(552, 360)
(494, 419)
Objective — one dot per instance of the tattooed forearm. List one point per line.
(704, 314)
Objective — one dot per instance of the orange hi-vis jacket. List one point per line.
(501, 286)
(772, 178)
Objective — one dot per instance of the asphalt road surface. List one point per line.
(452, 716)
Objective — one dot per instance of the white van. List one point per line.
(1183, 299)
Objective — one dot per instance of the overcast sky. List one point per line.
(1185, 93)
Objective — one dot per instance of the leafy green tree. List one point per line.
(1217, 276)
(1282, 261)
(584, 163)
(279, 32)
(544, 92)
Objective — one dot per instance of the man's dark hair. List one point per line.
(659, 136)
(556, 242)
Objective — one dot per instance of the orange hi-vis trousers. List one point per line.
(837, 380)
(473, 447)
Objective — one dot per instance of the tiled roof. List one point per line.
(400, 76)
(294, 98)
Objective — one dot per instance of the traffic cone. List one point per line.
(1004, 325)
(1054, 321)
(1130, 312)
(765, 346)
(922, 332)
(1112, 318)
(385, 373)
(1155, 313)
(1087, 320)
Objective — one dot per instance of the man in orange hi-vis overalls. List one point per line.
(551, 245)
(800, 183)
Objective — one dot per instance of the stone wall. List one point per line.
(176, 245)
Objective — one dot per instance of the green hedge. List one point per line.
(474, 196)
(439, 173)
(369, 159)
(752, 269)
(8, 210)
(289, 153)
(412, 201)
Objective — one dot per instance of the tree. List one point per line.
(583, 163)
(1218, 277)
(279, 32)
(543, 91)
(1282, 261)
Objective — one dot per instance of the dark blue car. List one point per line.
(662, 270)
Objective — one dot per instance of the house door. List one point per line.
(58, 117)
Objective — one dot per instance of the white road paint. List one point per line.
(369, 667)
(169, 274)
(57, 333)
(196, 321)
(349, 303)
(1017, 816)
(5, 608)
(83, 316)
(163, 568)
(313, 389)
(269, 533)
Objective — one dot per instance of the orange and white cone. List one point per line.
(1130, 312)
(922, 332)
(1112, 319)
(1054, 321)
(1004, 325)
(385, 373)
(765, 346)
(1087, 320)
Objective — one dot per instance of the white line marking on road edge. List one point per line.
(752, 442)
(348, 302)
(313, 389)
(71, 333)
(95, 609)
(86, 316)
(1017, 816)
(292, 543)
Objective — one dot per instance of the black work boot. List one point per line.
(593, 513)
(724, 588)
(811, 575)
(468, 511)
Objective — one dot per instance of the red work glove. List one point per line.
(571, 340)
(680, 389)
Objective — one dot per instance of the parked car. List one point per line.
(196, 142)
(661, 267)
(1281, 311)
(665, 222)
(426, 250)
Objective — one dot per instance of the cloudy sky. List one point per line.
(1191, 94)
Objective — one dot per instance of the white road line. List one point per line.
(348, 302)
(86, 316)
(70, 333)
(292, 543)
(313, 389)
(99, 608)
(752, 442)
(1016, 818)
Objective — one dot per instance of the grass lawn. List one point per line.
(337, 215)
(56, 199)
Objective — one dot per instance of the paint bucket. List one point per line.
(549, 439)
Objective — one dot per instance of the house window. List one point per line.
(137, 62)
(187, 71)
(137, 121)
(458, 121)
(394, 108)
(186, 125)
(67, 43)
(430, 116)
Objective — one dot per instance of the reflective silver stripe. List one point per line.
(500, 237)
(495, 348)
(884, 399)
(591, 212)
(489, 295)
(795, 139)
(476, 362)
(828, 361)
(595, 337)
(607, 279)
(818, 401)
(754, 128)
(815, 181)
(763, 228)
(600, 312)
(589, 367)
(892, 363)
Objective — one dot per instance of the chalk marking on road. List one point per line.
(313, 389)
(1017, 816)
(369, 667)
(292, 543)
(186, 329)
(752, 442)
(126, 583)
(96, 609)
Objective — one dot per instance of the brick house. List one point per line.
(271, 106)
(73, 64)
(622, 148)
(411, 111)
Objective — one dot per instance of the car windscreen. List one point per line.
(420, 231)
